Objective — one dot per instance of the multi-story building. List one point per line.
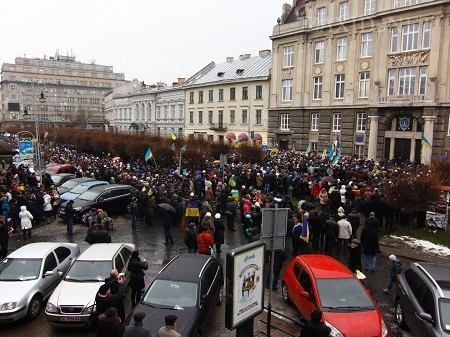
(373, 73)
(148, 108)
(229, 101)
(73, 90)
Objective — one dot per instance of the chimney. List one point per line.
(181, 80)
(244, 56)
(230, 59)
(264, 52)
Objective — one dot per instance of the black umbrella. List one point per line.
(328, 179)
(167, 207)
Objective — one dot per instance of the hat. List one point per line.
(103, 289)
(208, 214)
(170, 319)
(392, 257)
(217, 216)
(191, 225)
(248, 216)
(316, 316)
(372, 214)
(356, 241)
(139, 316)
(192, 194)
(135, 254)
(70, 201)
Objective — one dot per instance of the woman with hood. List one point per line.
(136, 267)
(208, 223)
(219, 228)
(25, 221)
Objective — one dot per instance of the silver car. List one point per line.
(73, 300)
(29, 275)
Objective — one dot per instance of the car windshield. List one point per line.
(343, 294)
(89, 195)
(88, 271)
(171, 293)
(19, 269)
(444, 310)
(56, 179)
(79, 189)
(70, 184)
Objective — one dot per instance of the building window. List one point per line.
(200, 96)
(287, 90)
(336, 122)
(232, 117)
(191, 97)
(366, 44)
(406, 81)
(210, 95)
(220, 95)
(364, 84)
(411, 2)
(423, 80)
(392, 74)
(359, 150)
(339, 86)
(369, 7)
(288, 56)
(315, 121)
(244, 116)
(244, 92)
(426, 36)
(410, 36)
(361, 122)
(341, 49)
(191, 117)
(14, 97)
(317, 87)
(210, 117)
(232, 94)
(284, 121)
(321, 16)
(319, 52)
(12, 87)
(259, 92)
(68, 73)
(200, 117)
(394, 40)
(27, 70)
(344, 11)
(258, 114)
(221, 118)
(397, 3)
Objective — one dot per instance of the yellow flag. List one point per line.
(45, 134)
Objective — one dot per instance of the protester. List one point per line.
(25, 222)
(137, 329)
(109, 324)
(370, 247)
(354, 256)
(190, 239)
(105, 299)
(169, 330)
(69, 212)
(136, 267)
(394, 270)
(314, 326)
(114, 276)
(204, 241)
(219, 229)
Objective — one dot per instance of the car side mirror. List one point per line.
(426, 317)
(48, 273)
(305, 294)
(60, 273)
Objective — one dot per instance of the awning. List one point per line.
(231, 135)
(243, 137)
(257, 136)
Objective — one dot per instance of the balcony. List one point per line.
(218, 126)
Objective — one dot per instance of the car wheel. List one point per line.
(220, 295)
(34, 308)
(83, 217)
(284, 293)
(399, 318)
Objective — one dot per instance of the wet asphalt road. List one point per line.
(150, 242)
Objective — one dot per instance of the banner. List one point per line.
(26, 150)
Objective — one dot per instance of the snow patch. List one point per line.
(424, 246)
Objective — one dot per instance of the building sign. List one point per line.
(26, 150)
(244, 283)
(359, 138)
(404, 123)
(200, 132)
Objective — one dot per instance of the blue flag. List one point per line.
(148, 154)
(172, 147)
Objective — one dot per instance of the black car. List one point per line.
(189, 286)
(68, 185)
(111, 198)
(422, 299)
(60, 178)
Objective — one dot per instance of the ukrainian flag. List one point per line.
(172, 147)
(173, 135)
(425, 142)
(237, 142)
(148, 155)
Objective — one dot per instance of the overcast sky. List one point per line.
(150, 40)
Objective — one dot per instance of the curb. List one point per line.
(413, 254)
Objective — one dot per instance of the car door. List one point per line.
(125, 252)
(207, 300)
(306, 285)
(120, 198)
(104, 201)
(51, 280)
(427, 303)
(64, 258)
(295, 289)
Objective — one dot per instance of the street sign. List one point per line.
(223, 160)
(274, 227)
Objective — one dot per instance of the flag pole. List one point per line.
(179, 163)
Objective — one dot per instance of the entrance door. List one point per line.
(402, 148)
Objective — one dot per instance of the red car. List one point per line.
(320, 282)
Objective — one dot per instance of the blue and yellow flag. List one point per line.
(308, 149)
(173, 135)
(425, 142)
(183, 148)
(148, 155)
(237, 142)
(172, 147)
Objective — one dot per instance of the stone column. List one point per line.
(373, 137)
(428, 134)
(392, 149)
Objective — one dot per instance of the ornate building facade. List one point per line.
(372, 73)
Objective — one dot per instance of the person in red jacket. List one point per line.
(204, 241)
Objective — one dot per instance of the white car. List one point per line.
(73, 300)
(29, 275)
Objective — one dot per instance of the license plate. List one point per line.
(70, 319)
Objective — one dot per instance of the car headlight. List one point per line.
(384, 329)
(50, 307)
(88, 310)
(76, 208)
(9, 306)
(334, 332)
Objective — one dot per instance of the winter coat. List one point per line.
(316, 224)
(354, 258)
(331, 228)
(204, 241)
(396, 268)
(109, 326)
(191, 239)
(6, 208)
(345, 229)
(369, 241)
(25, 218)
(136, 268)
(47, 202)
(219, 228)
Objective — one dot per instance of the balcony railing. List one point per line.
(218, 126)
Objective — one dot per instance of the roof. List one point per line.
(102, 251)
(101, 188)
(184, 267)
(83, 179)
(236, 70)
(94, 183)
(34, 250)
(323, 266)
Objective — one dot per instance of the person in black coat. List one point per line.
(316, 228)
(105, 299)
(4, 237)
(114, 276)
(136, 267)
(331, 230)
(278, 258)
(314, 326)
(219, 229)
(370, 247)
(15, 209)
(354, 257)
(110, 324)
(353, 218)
(191, 238)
